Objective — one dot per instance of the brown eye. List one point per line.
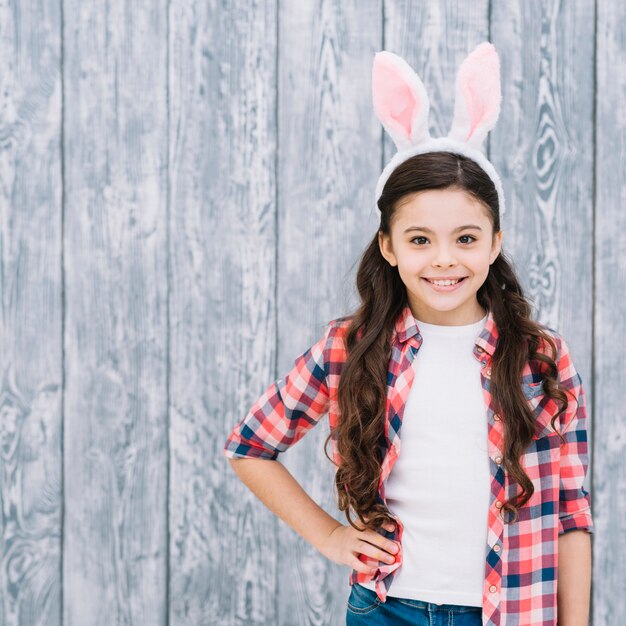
(470, 236)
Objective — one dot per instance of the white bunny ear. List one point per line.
(477, 97)
(400, 100)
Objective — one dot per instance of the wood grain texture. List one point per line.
(224, 544)
(30, 314)
(609, 327)
(328, 163)
(115, 268)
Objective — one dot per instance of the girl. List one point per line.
(463, 523)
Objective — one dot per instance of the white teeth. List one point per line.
(445, 282)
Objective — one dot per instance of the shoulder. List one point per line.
(557, 339)
(340, 325)
(335, 353)
(567, 374)
(336, 332)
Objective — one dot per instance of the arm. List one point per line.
(275, 486)
(286, 410)
(574, 578)
(575, 520)
(280, 417)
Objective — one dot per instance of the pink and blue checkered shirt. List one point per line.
(521, 559)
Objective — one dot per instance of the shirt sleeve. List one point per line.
(574, 499)
(286, 410)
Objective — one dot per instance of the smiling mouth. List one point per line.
(448, 287)
(458, 280)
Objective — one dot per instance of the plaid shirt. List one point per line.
(520, 582)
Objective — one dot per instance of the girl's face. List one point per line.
(437, 234)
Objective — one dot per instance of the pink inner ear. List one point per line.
(395, 102)
(479, 77)
(476, 105)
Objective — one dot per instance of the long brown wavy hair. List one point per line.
(362, 389)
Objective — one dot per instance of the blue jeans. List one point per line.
(365, 608)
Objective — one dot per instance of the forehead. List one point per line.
(440, 209)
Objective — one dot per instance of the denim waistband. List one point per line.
(428, 606)
(432, 606)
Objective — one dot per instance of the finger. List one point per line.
(375, 552)
(360, 566)
(382, 542)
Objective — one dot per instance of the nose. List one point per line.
(444, 257)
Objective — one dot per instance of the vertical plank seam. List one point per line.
(63, 312)
(276, 257)
(489, 18)
(168, 254)
(382, 130)
(593, 260)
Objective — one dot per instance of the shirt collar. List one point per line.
(406, 327)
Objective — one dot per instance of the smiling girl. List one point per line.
(458, 424)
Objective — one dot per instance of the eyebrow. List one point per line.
(456, 230)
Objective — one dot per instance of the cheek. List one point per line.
(410, 264)
(477, 261)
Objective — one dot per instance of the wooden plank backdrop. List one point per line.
(609, 316)
(186, 189)
(115, 299)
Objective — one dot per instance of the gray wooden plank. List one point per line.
(31, 314)
(609, 330)
(223, 543)
(115, 263)
(541, 146)
(329, 161)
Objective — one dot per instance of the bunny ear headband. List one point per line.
(401, 105)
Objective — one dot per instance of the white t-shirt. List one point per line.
(439, 485)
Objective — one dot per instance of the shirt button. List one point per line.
(498, 504)
(488, 371)
(479, 349)
(493, 588)
(496, 416)
(498, 460)
(496, 548)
